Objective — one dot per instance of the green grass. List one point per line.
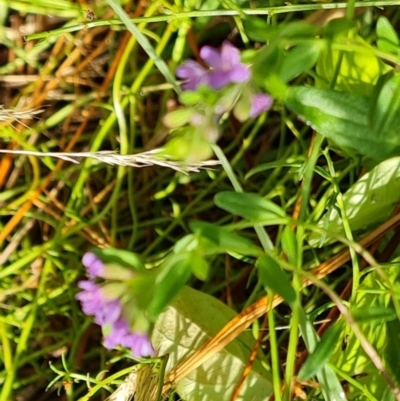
(89, 86)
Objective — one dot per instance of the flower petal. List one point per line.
(94, 266)
(239, 74)
(230, 54)
(211, 56)
(193, 73)
(259, 103)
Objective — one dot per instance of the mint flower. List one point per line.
(109, 312)
(260, 102)
(225, 65)
(225, 68)
(193, 74)
(94, 266)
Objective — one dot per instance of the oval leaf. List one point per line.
(322, 352)
(344, 118)
(250, 206)
(189, 322)
(274, 278)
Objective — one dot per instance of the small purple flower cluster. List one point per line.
(225, 68)
(108, 311)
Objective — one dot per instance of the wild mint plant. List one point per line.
(109, 297)
(210, 93)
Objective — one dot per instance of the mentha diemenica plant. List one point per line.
(109, 296)
(209, 93)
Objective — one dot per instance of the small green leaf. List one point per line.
(321, 353)
(250, 206)
(392, 350)
(387, 39)
(289, 245)
(298, 60)
(224, 240)
(274, 278)
(173, 275)
(119, 257)
(373, 313)
(200, 267)
(178, 118)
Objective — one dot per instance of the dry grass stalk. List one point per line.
(145, 159)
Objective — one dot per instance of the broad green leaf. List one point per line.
(174, 274)
(274, 278)
(344, 119)
(322, 352)
(387, 39)
(368, 202)
(189, 322)
(250, 206)
(223, 240)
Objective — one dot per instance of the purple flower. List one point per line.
(193, 73)
(91, 297)
(94, 266)
(120, 334)
(118, 331)
(260, 102)
(139, 344)
(108, 313)
(225, 68)
(226, 65)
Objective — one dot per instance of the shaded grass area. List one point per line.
(95, 89)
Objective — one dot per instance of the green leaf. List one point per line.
(223, 240)
(200, 267)
(298, 60)
(386, 108)
(178, 118)
(173, 275)
(368, 202)
(274, 278)
(350, 356)
(190, 321)
(119, 257)
(392, 349)
(373, 313)
(387, 39)
(289, 245)
(250, 206)
(344, 118)
(359, 69)
(322, 352)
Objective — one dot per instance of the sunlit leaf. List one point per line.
(368, 202)
(344, 118)
(387, 38)
(190, 321)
